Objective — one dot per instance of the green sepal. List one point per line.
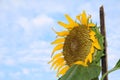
(98, 53)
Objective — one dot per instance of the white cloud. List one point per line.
(24, 23)
(54, 7)
(42, 20)
(9, 62)
(37, 6)
(25, 71)
(35, 59)
(40, 44)
(38, 52)
(38, 57)
(12, 4)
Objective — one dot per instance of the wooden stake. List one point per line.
(103, 32)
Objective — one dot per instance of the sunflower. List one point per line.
(76, 44)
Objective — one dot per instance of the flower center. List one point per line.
(77, 45)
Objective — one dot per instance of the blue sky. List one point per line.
(25, 34)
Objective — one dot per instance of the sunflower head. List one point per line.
(76, 44)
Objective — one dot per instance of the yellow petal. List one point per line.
(89, 57)
(55, 57)
(78, 17)
(60, 66)
(84, 19)
(96, 44)
(57, 61)
(80, 63)
(63, 71)
(56, 66)
(58, 47)
(69, 19)
(62, 33)
(72, 23)
(67, 26)
(59, 40)
(75, 25)
(91, 25)
(92, 33)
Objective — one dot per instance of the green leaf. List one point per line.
(96, 78)
(78, 72)
(118, 64)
